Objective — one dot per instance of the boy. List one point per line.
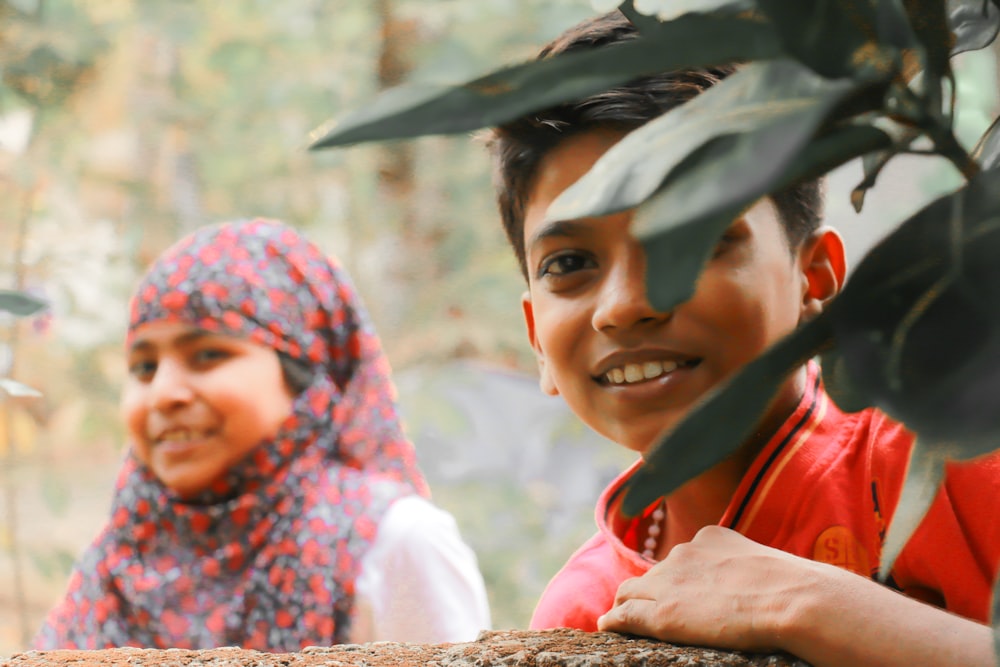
(762, 552)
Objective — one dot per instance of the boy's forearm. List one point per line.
(854, 621)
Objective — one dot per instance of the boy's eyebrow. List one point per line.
(557, 228)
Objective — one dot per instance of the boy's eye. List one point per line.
(564, 264)
(724, 242)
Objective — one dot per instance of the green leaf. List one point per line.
(20, 303)
(923, 477)
(987, 150)
(893, 24)
(411, 111)
(833, 37)
(757, 99)
(643, 21)
(723, 421)
(916, 324)
(680, 225)
(676, 252)
(16, 389)
(838, 385)
(974, 23)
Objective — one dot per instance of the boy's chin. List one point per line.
(646, 441)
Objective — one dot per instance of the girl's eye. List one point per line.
(210, 355)
(142, 370)
(564, 264)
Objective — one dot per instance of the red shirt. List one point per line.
(824, 488)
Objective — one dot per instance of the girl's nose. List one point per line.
(170, 386)
(623, 301)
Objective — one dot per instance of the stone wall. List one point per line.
(551, 648)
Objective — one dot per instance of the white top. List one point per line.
(419, 581)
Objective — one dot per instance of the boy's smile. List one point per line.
(626, 369)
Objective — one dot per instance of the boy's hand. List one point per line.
(725, 591)
(720, 589)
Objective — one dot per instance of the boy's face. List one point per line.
(627, 370)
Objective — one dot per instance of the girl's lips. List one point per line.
(181, 446)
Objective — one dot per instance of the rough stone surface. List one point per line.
(550, 648)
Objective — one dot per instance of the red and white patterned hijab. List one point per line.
(266, 559)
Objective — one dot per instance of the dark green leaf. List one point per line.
(987, 150)
(676, 253)
(411, 111)
(753, 102)
(722, 422)
(893, 25)
(20, 303)
(838, 383)
(916, 324)
(643, 22)
(679, 226)
(974, 24)
(923, 477)
(833, 37)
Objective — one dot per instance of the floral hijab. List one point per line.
(267, 559)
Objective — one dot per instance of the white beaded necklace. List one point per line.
(653, 534)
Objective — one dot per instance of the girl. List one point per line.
(269, 499)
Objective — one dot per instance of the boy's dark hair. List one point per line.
(518, 147)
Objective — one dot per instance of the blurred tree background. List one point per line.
(126, 123)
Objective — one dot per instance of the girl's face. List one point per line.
(196, 402)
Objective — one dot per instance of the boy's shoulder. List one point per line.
(584, 588)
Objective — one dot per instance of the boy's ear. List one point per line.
(544, 379)
(824, 270)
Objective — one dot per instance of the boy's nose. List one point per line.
(170, 386)
(623, 300)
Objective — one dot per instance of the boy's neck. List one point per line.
(704, 500)
(701, 502)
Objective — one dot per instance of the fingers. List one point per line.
(634, 617)
(637, 588)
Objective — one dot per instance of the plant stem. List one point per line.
(947, 145)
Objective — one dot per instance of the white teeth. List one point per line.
(651, 369)
(180, 435)
(647, 370)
